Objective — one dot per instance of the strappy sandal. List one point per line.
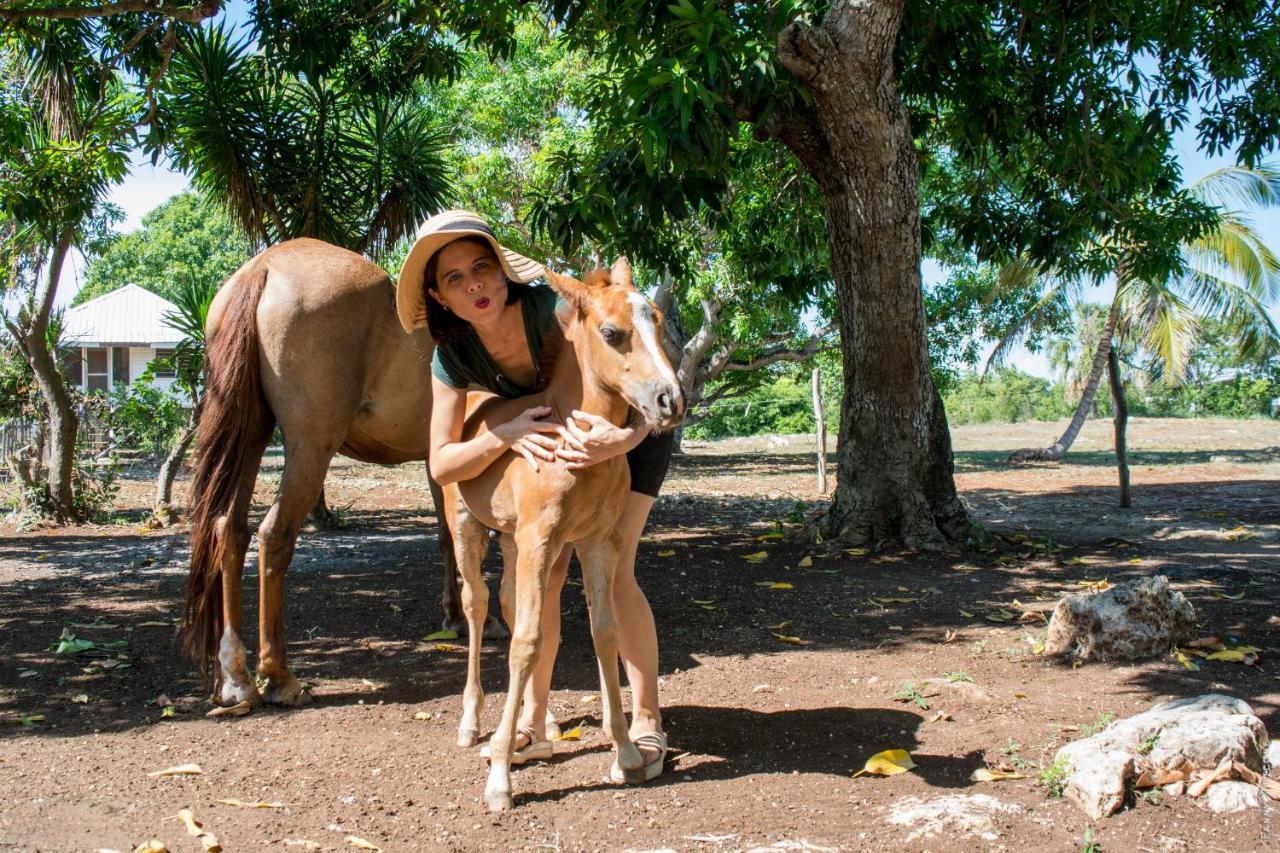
(651, 771)
(534, 750)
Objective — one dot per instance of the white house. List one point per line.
(114, 337)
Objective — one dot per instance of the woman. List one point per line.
(492, 333)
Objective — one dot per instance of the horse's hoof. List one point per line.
(498, 802)
(494, 630)
(636, 775)
(288, 692)
(468, 738)
(235, 693)
(457, 626)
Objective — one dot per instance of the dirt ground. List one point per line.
(766, 734)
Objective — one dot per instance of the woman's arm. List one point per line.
(453, 459)
(600, 440)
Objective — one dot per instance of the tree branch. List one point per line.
(780, 351)
(189, 14)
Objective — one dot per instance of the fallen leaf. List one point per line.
(396, 607)
(1229, 597)
(237, 710)
(180, 770)
(207, 839)
(1242, 654)
(155, 845)
(857, 552)
(4, 622)
(29, 673)
(781, 626)
(987, 774)
(304, 843)
(775, 584)
(766, 537)
(806, 562)
(949, 636)
(786, 638)
(891, 762)
(966, 614)
(1187, 662)
(241, 804)
(1019, 696)
(940, 716)
(441, 635)
(670, 552)
(154, 625)
(25, 720)
(1001, 615)
(898, 600)
(1206, 643)
(757, 557)
(80, 699)
(422, 715)
(357, 841)
(167, 711)
(574, 733)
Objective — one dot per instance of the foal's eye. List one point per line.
(611, 336)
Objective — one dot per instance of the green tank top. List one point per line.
(465, 363)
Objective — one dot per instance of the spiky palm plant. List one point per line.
(1230, 275)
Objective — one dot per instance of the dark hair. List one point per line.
(445, 327)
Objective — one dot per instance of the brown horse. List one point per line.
(304, 335)
(612, 363)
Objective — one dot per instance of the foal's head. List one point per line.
(620, 334)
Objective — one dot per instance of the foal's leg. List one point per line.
(599, 559)
(534, 558)
(300, 485)
(469, 543)
(237, 685)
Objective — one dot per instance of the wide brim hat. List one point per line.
(433, 235)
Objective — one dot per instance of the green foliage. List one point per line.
(782, 406)
(144, 418)
(188, 238)
(1005, 396)
(1054, 778)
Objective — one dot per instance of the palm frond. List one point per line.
(1169, 327)
(1014, 275)
(1234, 187)
(1237, 249)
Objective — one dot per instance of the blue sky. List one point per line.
(148, 186)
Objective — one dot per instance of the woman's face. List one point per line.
(470, 281)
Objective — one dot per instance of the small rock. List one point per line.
(1273, 758)
(1228, 797)
(968, 813)
(1175, 789)
(1130, 621)
(1185, 734)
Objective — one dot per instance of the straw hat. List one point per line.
(434, 234)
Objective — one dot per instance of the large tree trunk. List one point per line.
(53, 391)
(1121, 424)
(1059, 448)
(894, 462)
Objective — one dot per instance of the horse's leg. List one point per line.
(300, 485)
(599, 559)
(237, 685)
(469, 541)
(454, 618)
(534, 556)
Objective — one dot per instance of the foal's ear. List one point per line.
(572, 290)
(621, 272)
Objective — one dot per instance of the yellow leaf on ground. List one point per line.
(891, 762)
(155, 845)
(180, 770)
(857, 552)
(757, 557)
(441, 635)
(898, 600)
(966, 614)
(1187, 662)
(357, 841)
(794, 641)
(766, 537)
(806, 562)
(986, 774)
(1238, 655)
(1224, 595)
(241, 804)
(895, 627)
(780, 626)
(207, 839)
(574, 733)
(775, 584)
(80, 699)
(422, 715)
(1019, 696)
(670, 552)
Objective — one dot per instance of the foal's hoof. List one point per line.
(494, 630)
(468, 738)
(232, 693)
(499, 802)
(286, 691)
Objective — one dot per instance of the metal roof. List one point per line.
(127, 315)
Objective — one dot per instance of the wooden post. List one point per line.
(1121, 422)
(820, 426)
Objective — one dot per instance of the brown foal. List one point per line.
(612, 363)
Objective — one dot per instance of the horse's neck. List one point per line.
(574, 386)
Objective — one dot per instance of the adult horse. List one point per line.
(612, 364)
(305, 336)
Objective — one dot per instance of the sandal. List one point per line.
(650, 771)
(533, 750)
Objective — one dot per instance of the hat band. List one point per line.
(466, 225)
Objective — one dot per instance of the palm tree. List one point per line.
(1231, 275)
(188, 366)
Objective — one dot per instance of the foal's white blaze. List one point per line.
(642, 319)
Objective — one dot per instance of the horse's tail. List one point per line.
(234, 410)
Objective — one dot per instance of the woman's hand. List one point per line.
(526, 434)
(600, 440)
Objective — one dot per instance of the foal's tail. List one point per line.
(234, 411)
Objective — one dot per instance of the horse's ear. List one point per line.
(621, 272)
(572, 290)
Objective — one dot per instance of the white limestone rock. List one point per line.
(1196, 733)
(1139, 619)
(1273, 758)
(971, 814)
(1228, 797)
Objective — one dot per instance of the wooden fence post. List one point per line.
(820, 426)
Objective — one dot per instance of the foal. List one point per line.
(613, 363)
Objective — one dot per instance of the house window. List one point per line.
(96, 369)
(120, 365)
(73, 360)
(164, 364)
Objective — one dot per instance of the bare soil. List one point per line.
(766, 734)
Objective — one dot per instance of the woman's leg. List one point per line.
(637, 633)
(533, 711)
